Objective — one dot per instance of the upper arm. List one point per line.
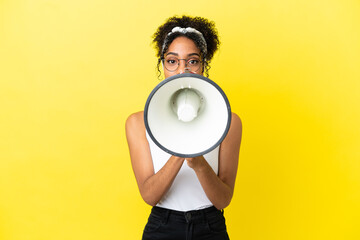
(139, 148)
(229, 152)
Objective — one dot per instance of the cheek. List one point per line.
(168, 73)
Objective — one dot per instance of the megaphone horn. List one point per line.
(187, 115)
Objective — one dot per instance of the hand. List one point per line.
(196, 163)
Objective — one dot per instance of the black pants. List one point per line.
(165, 224)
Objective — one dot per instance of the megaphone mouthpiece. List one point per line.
(186, 104)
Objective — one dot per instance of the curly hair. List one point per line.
(162, 41)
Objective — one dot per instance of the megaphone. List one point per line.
(187, 115)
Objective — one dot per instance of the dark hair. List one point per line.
(203, 25)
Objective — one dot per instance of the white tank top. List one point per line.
(185, 193)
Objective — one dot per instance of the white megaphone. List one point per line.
(187, 115)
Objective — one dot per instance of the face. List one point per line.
(183, 48)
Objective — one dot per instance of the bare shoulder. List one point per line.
(236, 124)
(135, 126)
(233, 137)
(135, 120)
(235, 117)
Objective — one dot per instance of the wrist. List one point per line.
(177, 159)
(201, 168)
(200, 165)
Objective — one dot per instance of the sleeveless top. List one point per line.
(185, 193)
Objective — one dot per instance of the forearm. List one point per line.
(216, 190)
(155, 187)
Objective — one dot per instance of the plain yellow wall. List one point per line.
(72, 71)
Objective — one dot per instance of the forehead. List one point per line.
(183, 46)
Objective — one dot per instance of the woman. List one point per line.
(187, 195)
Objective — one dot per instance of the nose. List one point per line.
(183, 68)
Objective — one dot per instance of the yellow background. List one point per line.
(72, 71)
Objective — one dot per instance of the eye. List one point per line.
(171, 61)
(193, 61)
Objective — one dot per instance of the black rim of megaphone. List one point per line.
(162, 83)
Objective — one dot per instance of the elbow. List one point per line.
(150, 202)
(223, 203)
(148, 194)
(149, 199)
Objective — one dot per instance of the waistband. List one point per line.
(188, 216)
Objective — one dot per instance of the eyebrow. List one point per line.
(176, 54)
